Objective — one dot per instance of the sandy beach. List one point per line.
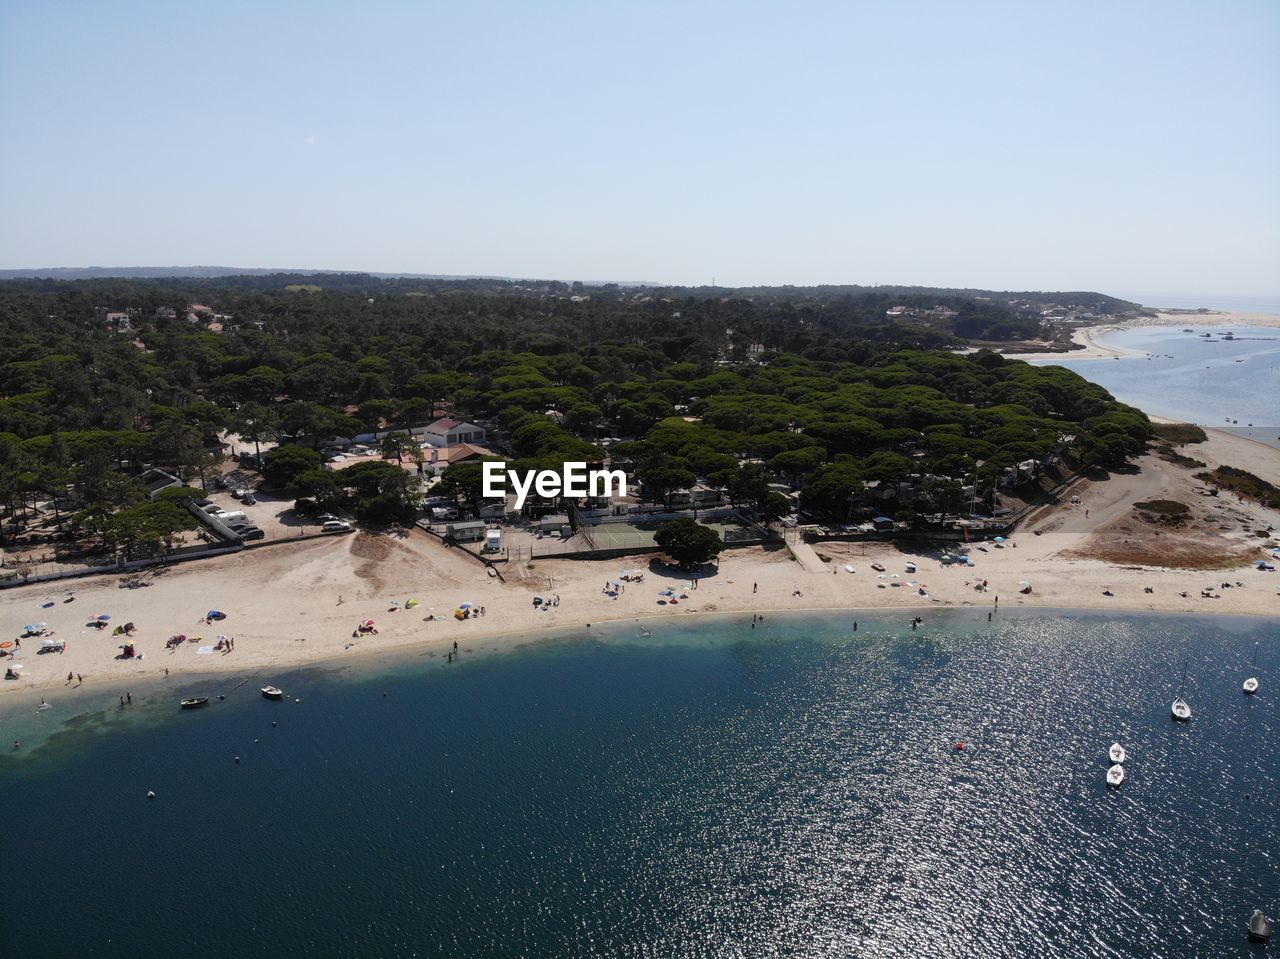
(299, 603)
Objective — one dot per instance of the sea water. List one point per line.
(708, 790)
(1229, 384)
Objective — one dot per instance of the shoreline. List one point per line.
(149, 688)
(1088, 336)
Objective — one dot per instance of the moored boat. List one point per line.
(1117, 753)
(195, 702)
(1250, 685)
(1181, 708)
(271, 692)
(1115, 776)
(1260, 926)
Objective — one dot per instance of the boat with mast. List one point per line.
(1251, 684)
(1181, 709)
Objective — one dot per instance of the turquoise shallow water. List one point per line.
(707, 791)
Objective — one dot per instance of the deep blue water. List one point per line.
(1196, 380)
(711, 791)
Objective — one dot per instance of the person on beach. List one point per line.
(79, 679)
(70, 676)
(128, 698)
(855, 625)
(755, 587)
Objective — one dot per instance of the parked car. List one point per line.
(252, 533)
(219, 483)
(327, 518)
(336, 526)
(202, 502)
(238, 493)
(248, 499)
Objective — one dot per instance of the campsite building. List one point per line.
(451, 432)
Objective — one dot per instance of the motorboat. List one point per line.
(849, 569)
(271, 692)
(1115, 776)
(910, 567)
(195, 702)
(1260, 926)
(877, 567)
(1117, 753)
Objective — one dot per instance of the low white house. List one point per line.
(451, 432)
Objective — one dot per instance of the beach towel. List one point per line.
(205, 650)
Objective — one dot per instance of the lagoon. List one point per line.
(1209, 382)
(709, 790)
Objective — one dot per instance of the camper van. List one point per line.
(493, 541)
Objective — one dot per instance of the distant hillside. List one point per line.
(211, 272)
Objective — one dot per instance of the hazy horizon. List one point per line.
(1083, 146)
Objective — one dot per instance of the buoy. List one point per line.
(959, 747)
(273, 725)
(150, 794)
(257, 740)
(237, 759)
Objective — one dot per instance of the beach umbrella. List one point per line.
(103, 618)
(999, 539)
(1023, 582)
(464, 605)
(881, 576)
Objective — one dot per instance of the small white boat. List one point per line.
(1115, 776)
(1251, 684)
(1181, 710)
(1260, 926)
(911, 567)
(849, 569)
(271, 692)
(1117, 753)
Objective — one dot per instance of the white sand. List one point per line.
(283, 601)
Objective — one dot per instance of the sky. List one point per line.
(1118, 145)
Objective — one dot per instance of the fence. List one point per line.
(64, 571)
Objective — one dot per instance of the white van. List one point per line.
(231, 517)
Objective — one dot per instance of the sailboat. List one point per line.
(1260, 926)
(1117, 753)
(1182, 711)
(1115, 776)
(1251, 684)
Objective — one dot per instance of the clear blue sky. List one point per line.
(1120, 145)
